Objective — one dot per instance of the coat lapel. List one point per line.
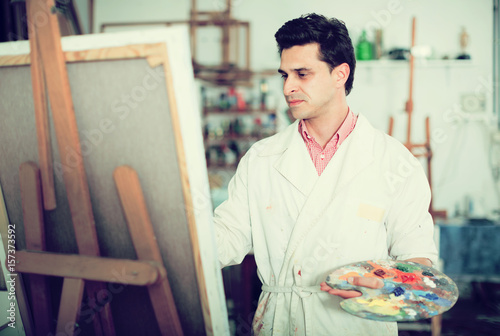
(295, 163)
(353, 156)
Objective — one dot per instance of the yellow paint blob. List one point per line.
(379, 306)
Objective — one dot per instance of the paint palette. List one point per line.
(411, 291)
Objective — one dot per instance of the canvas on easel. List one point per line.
(135, 105)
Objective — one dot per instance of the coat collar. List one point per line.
(295, 163)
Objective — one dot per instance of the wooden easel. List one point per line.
(422, 149)
(86, 270)
(147, 271)
(230, 70)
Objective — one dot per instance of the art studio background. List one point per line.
(455, 84)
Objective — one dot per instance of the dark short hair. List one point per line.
(331, 35)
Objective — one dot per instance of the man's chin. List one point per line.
(298, 113)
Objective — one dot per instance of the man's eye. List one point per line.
(302, 74)
(283, 75)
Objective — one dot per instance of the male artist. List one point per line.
(327, 191)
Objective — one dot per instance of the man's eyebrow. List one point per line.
(296, 70)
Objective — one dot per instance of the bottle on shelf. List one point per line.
(228, 156)
(364, 49)
(264, 88)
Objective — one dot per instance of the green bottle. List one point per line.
(364, 49)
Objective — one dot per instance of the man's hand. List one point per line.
(356, 281)
(373, 283)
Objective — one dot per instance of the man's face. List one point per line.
(308, 84)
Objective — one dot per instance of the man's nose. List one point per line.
(290, 86)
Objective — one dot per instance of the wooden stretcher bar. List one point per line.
(130, 272)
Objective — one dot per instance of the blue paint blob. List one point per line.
(431, 296)
(398, 291)
(388, 287)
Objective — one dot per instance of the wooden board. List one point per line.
(131, 111)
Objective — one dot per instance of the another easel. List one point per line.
(45, 41)
(420, 150)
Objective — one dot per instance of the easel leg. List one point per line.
(48, 38)
(69, 310)
(143, 238)
(40, 304)
(31, 195)
(102, 319)
(436, 324)
(41, 114)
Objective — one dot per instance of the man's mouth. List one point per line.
(294, 102)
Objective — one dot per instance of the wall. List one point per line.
(461, 142)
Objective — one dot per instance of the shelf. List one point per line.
(214, 110)
(234, 137)
(230, 169)
(222, 167)
(229, 132)
(419, 63)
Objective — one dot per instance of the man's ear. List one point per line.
(342, 74)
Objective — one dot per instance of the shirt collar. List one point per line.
(341, 134)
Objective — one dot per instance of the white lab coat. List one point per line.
(371, 202)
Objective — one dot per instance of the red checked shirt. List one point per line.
(320, 156)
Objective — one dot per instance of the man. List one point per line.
(327, 191)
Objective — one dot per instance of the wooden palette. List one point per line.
(411, 291)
